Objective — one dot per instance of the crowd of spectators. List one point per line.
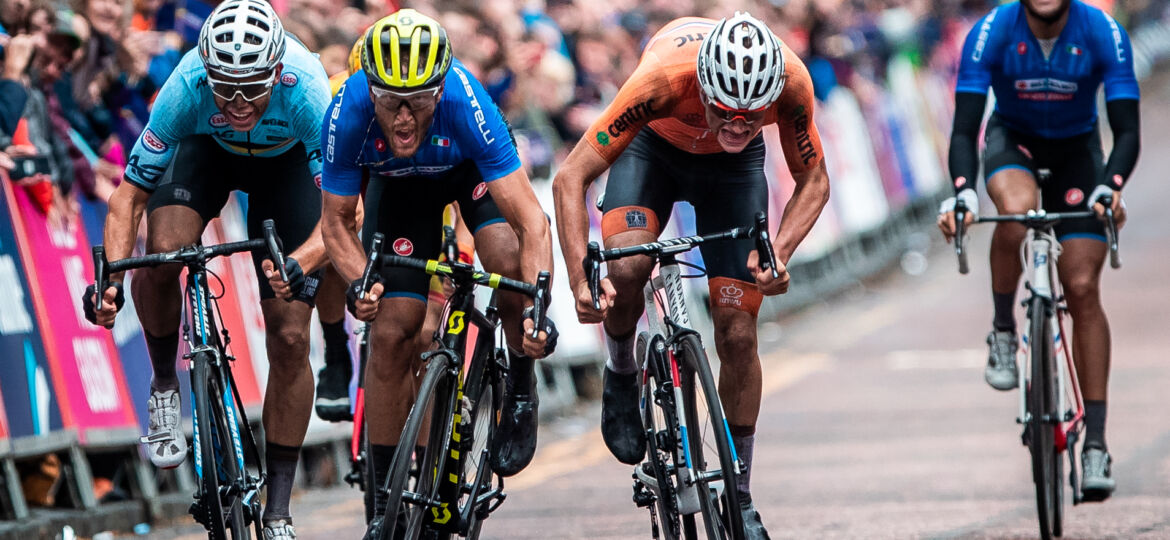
(79, 75)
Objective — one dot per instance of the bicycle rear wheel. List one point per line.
(1042, 406)
(708, 439)
(661, 426)
(412, 501)
(217, 460)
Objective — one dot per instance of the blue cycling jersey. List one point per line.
(185, 106)
(1053, 97)
(466, 125)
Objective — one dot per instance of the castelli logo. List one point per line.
(960, 182)
(1074, 197)
(379, 145)
(288, 79)
(479, 191)
(1022, 48)
(1117, 179)
(217, 120)
(317, 180)
(1024, 149)
(730, 291)
(403, 247)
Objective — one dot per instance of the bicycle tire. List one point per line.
(1041, 406)
(429, 405)
(658, 418)
(721, 513)
(485, 392)
(212, 431)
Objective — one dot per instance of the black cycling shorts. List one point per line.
(1076, 165)
(408, 211)
(203, 174)
(726, 190)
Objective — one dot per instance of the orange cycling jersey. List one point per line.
(663, 93)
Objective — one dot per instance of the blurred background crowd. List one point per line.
(79, 75)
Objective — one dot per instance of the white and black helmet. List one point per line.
(240, 38)
(740, 64)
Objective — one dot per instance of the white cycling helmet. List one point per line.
(740, 65)
(240, 38)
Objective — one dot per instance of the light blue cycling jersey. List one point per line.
(1052, 97)
(185, 106)
(466, 125)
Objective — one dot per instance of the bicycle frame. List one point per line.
(1040, 254)
(675, 322)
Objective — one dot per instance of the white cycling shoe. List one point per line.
(165, 444)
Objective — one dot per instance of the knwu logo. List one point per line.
(730, 294)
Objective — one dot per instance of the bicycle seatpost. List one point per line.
(592, 266)
(767, 257)
(273, 242)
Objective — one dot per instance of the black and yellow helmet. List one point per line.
(406, 50)
(354, 64)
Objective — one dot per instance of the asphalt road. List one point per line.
(876, 422)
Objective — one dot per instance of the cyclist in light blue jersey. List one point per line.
(1046, 60)
(241, 112)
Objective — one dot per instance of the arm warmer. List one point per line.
(1123, 120)
(963, 157)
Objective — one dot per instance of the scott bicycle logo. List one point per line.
(455, 323)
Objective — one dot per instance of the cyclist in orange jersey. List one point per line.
(686, 126)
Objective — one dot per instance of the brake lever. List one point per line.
(960, 226)
(372, 260)
(592, 265)
(100, 275)
(540, 302)
(450, 246)
(767, 257)
(273, 242)
(1111, 233)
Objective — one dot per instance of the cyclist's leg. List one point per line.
(295, 207)
(187, 198)
(409, 217)
(332, 401)
(734, 190)
(1008, 160)
(639, 196)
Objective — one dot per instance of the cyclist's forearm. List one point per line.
(1124, 121)
(963, 155)
(339, 236)
(536, 248)
(126, 207)
(311, 255)
(572, 223)
(802, 210)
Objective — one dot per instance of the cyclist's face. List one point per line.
(733, 129)
(249, 98)
(405, 119)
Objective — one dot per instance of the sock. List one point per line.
(1005, 314)
(520, 372)
(744, 439)
(1095, 424)
(621, 354)
(380, 457)
(162, 352)
(336, 343)
(281, 464)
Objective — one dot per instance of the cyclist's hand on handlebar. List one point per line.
(112, 302)
(946, 212)
(1117, 205)
(585, 312)
(768, 285)
(285, 290)
(365, 307)
(543, 345)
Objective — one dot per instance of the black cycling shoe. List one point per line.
(621, 426)
(515, 438)
(753, 527)
(332, 403)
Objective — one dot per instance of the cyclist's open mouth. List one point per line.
(734, 138)
(404, 137)
(240, 117)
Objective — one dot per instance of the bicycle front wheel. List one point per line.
(1042, 406)
(662, 445)
(217, 459)
(482, 401)
(415, 475)
(709, 443)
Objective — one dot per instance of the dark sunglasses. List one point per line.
(250, 91)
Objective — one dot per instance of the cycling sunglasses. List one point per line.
(250, 91)
(730, 115)
(417, 101)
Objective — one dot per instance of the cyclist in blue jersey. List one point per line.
(425, 133)
(1045, 60)
(243, 111)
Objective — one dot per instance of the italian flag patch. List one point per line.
(1074, 50)
(440, 141)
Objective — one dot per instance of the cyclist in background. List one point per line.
(242, 111)
(686, 126)
(1045, 59)
(427, 134)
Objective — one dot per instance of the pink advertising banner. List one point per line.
(86, 371)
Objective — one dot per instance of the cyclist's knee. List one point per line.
(398, 345)
(735, 336)
(1081, 289)
(172, 227)
(289, 344)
